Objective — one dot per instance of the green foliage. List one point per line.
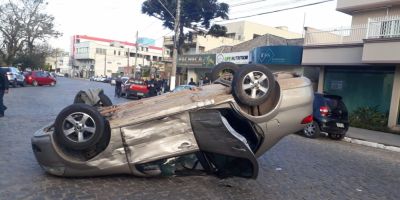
(195, 15)
(369, 117)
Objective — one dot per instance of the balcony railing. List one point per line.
(354, 34)
(384, 27)
(377, 28)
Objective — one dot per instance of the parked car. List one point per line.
(330, 116)
(37, 78)
(135, 88)
(14, 76)
(102, 79)
(221, 129)
(183, 87)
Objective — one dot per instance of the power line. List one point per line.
(279, 10)
(167, 9)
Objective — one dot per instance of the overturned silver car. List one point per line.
(218, 129)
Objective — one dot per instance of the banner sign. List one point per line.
(239, 58)
(196, 61)
(277, 55)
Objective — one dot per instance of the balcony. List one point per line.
(351, 35)
(349, 6)
(384, 27)
(377, 28)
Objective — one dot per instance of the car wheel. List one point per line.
(79, 127)
(336, 136)
(105, 100)
(14, 84)
(224, 72)
(23, 84)
(52, 83)
(253, 84)
(35, 83)
(311, 130)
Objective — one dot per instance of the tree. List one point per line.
(195, 15)
(23, 26)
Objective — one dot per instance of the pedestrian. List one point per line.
(206, 81)
(3, 90)
(118, 85)
(201, 82)
(152, 86)
(192, 82)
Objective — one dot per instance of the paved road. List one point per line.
(296, 168)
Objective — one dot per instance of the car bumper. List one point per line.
(130, 93)
(52, 159)
(334, 127)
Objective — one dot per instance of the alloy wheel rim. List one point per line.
(79, 127)
(309, 130)
(255, 84)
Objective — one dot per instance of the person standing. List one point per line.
(152, 86)
(191, 82)
(118, 85)
(206, 81)
(3, 90)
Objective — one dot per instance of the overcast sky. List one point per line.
(119, 19)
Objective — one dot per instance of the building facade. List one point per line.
(237, 33)
(362, 62)
(59, 62)
(93, 56)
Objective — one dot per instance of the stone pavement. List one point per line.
(296, 168)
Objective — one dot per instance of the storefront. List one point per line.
(194, 66)
(361, 87)
(279, 58)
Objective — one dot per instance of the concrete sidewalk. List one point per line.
(380, 138)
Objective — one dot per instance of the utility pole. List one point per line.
(105, 62)
(136, 54)
(176, 39)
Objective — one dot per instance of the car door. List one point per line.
(223, 150)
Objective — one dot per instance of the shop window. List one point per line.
(361, 87)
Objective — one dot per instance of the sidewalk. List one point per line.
(373, 138)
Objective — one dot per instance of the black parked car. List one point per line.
(330, 116)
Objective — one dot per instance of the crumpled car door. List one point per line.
(224, 150)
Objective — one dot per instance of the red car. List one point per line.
(36, 78)
(135, 88)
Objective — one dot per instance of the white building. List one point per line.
(94, 56)
(59, 62)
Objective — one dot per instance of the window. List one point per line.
(119, 53)
(115, 52)
(146, 49)
(82, 50)
(100, 51)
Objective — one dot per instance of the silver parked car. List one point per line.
(219, 129)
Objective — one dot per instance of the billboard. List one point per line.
(277, 55)
(239, 58)
(196, 61)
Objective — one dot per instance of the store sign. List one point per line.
(196, 61)
(239, 58)
(277, 55)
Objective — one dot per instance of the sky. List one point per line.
(120, 19)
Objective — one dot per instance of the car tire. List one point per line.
(312, 130)
(52, 83)
(14, 84)
(22, 84)
(220, 68)
(79, 127)
(35, 83)
(253, 84)
(104, 100)
(335, 136)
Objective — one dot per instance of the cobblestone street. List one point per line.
(296, 168)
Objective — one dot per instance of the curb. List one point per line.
(372, 144)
